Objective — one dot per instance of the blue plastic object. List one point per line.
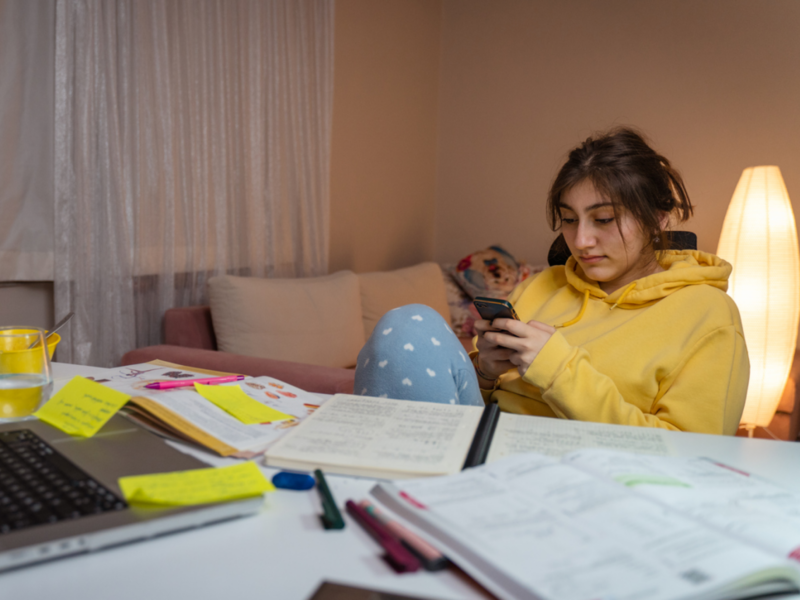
(287, 480)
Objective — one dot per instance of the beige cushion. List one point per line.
(385, 290)
(314, 320)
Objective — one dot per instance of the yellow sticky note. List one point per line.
(234, 401)
(81, 407)
(198, 486)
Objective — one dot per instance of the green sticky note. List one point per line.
(234, 401)
(198, 486)
(81, 407)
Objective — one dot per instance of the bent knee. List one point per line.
(411, 314)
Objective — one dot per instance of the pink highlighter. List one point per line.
(168, 385)
(428, 556)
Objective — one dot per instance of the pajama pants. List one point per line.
(414, 355)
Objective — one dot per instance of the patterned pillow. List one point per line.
(460, 316)
(492, 272)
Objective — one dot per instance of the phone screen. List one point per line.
(491, 309)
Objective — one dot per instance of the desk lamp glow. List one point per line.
(759, 238)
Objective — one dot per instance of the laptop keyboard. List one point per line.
(38, 485)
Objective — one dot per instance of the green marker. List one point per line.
(331, 517)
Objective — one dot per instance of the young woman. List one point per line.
(626, 332)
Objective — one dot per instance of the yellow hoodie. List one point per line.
(665, 351)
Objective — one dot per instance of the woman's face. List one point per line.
(592, 232)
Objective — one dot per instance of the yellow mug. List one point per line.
(25, 374)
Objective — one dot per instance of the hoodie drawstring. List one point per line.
(580, 314)
(622, 297)
(586, 303)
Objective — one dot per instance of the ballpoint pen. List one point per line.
(331, 517)
(167, 385)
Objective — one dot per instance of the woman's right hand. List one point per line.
(492, 360)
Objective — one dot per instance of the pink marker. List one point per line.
(168, 385)
(430, 557)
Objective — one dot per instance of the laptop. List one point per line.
(59, 494)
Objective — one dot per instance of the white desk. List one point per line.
(284, 554)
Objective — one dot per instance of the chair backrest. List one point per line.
(678, 240)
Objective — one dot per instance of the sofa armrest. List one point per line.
(312, 378)
(190, 326)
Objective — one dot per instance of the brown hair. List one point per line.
(629, 173)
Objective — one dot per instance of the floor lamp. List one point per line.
(759, 238)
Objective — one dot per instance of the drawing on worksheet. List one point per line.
(134, 379)
(177, 374)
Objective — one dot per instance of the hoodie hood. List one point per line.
(681, 268)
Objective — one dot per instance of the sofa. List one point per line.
(307, 352)
(189, 340)
(306, 332)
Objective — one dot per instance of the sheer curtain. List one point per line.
(192, 139)
(26, 140)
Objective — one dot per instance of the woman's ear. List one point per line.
(663, 220)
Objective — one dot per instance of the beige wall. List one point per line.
(383, 155)
(714, 84)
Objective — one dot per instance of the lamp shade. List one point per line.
(759, 238)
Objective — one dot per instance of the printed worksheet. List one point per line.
(531, 526)
(191, 407)
(742, 505)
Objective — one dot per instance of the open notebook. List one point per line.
(394, 439)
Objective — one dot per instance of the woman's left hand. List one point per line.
(526, 340)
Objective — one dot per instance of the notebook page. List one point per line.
(378, 437)
(516, 434)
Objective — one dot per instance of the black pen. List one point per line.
(331, 517)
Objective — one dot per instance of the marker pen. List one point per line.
(430, 557)
(168, 385)
(400, 558)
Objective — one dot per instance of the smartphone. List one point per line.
(492, 308)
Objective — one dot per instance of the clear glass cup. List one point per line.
(26, 378)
